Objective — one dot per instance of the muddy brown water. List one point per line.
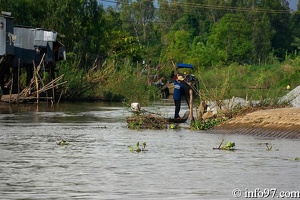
(97, 164)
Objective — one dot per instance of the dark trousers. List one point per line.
(177, 108)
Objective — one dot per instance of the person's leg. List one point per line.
(179, 105)
(177, 108)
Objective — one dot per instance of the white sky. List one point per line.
(293, 4)
(106, 3)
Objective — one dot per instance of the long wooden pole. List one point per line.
(174, 66)
(191, 105)
(36, 84)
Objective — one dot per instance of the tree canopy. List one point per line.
(206, 33)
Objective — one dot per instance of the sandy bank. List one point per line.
(278, 123)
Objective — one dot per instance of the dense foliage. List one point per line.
(106, 45)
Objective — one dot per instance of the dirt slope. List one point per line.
(279, 123)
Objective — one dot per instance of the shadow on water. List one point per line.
(97, 163)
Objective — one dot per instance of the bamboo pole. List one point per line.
(174, 66)
(11, 86)
(36, 84)
(59, 97)
(191, 105)
(48, 86)
(53, 95)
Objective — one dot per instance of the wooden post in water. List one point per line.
(53, 95)
(19, 69)
(11, 87)
(36, 84)
(191, 105)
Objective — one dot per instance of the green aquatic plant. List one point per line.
(136, 125)
(137, 148)
(269, 148)
(229, 146)
(297, 159)
(132, 126)
(174, 126)
(205, 124)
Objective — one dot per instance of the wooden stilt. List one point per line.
(19, 68)
(11, 87)
(53, 94)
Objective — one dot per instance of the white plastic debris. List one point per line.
(135, 107)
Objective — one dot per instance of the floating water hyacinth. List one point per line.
(229, 146)
(138, 149)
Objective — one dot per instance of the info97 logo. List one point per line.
(264, 193)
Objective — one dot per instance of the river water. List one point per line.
(97, 164)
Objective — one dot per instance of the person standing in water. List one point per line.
(178, 92)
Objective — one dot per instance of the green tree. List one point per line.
(216, 9)
(163, 20)
(188, 23)
(137, 17)
(295, 26)
(261, 38)
(280, 17)
(296, 43)
(179, 45)
(26, 12)
(124, 8)
(167, 14)
(205, 55)
(143, 13)
(84, 25)
(231, 36)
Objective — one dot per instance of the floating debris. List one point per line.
(62, 142)
(102, 127)
(147, 122)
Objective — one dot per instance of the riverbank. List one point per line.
(275, 123)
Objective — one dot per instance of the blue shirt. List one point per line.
(178, 90)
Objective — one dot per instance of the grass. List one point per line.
(252, 82)
(126, 83)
